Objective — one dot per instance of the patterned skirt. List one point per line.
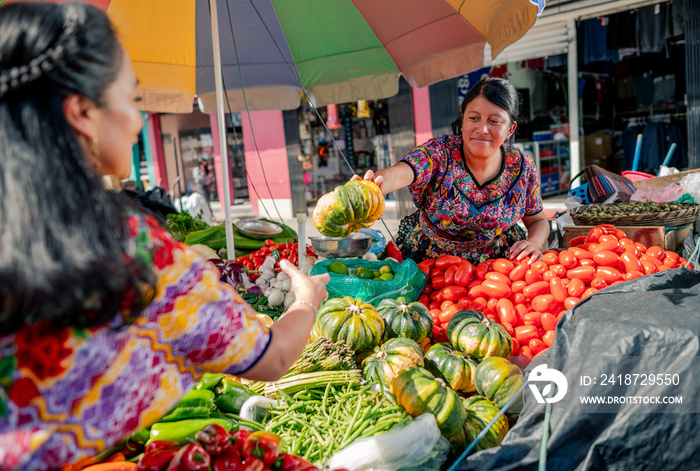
(418, 239)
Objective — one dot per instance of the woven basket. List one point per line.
(666, 219)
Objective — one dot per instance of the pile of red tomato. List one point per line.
(529, 299)
(289, 251)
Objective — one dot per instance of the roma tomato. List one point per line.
(655, 251)
(558, 269)
(631, 275)
(535, 289)
(586, 262)
(580, 253)
(518, 286)
(434, 306)
(491, 304)
(435, 314)
(550, 258)
(544, 303)
(500, 277)
(606, 258)
(594, 235)
(447, 313)
(524, 352)
(481, 269)
(453, 293)
(446, 260)
(588, 292)
(576, 241)
(503, 266)
(525, 333)
(539, 266)
(479, 304)
(647, 267)
(576, 287)
(556, 287)
(518, 272)
(671, 259)
(476, 292)
(423, 298)
(506, 311)
(464, 273)
(495, 289)
(548, 275)
(438, 282)
(450, 275)
(640, 247)
(436, 296)
(509, 328)
(568, 259)
(536, 346)
(533, 318)
(584, 273)
(598, 283)
(548, 338)
(630, 262)
(644, 257)
(548, 321)
(532, 276)
(445, 304)
(520, 310)
(517, 298)
(571, 301)
(608, 242)
(609, 274)
(516, 347)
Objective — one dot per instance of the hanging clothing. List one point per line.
(595, 41)
(651, 28)
(644, 86)
(622, 31)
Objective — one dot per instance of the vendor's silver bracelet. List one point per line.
(301, 301)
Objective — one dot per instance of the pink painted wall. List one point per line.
(158, 156)
(421, 115)
(271, 144)
(218, 170)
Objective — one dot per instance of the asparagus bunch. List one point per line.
(323, 354)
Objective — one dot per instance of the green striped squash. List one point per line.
(418, 392)
(390, 359)
(498, 379)
(348, 208)
(473, 334)
(404, 319)
(351, 320)
(456, 368)
(479, 413)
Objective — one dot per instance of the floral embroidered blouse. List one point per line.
(71, 393)
(458, 215)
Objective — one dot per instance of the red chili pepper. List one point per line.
(464, 273)
(265, 446)
(191, 457)
(446, 260)
(450, 275)
(228, 460)
(214, 439)
(295, 463)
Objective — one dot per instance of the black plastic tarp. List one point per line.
(648, 321)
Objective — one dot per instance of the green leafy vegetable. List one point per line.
(183, 223)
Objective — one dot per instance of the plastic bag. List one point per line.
(408, 280)
(378, 240)
(417, 446)
(691, 185)
(646, 192)
(194, 204)
(255, 407)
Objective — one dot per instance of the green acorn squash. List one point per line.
(479, 413)
(348, 208)
(418, 392)
(391, 358)
(456, 368)
(498, 379)
(404, 319)
(473, 334)
(356, 323)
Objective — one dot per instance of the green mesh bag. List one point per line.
(408, 280)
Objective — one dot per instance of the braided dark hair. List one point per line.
(63, 237)
(498, 91)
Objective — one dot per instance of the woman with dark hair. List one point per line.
(105, 320)
(472, 187)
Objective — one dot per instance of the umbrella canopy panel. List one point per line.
(339, 51)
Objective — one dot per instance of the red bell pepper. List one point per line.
(158, 455)
(450, 275)
(464, 273)
(191, 457)
(393, 251)
(214, 439)
(265, 446)
(229, 459)
(252, 464)
(295, 463)
(238, 438)
(446, 260)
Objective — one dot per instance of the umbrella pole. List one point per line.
(223, 145)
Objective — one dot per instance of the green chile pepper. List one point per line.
(230, 395)
(183, 430)
(197, 403)
(209, 381)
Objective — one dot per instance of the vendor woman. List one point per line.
(106, 321)
(473, 187)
